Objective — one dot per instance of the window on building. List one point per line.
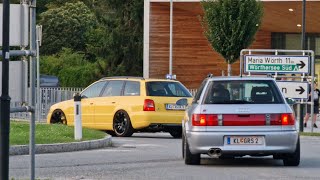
(293, 41)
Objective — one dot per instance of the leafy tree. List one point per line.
(118, 40)
(66, 26)
(72, 69)
(230, 26)
(113, 44)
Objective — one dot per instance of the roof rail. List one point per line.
(123, 77)
(209, 75)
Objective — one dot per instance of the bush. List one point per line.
(71, 68)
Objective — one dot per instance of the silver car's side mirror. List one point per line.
(182, 102)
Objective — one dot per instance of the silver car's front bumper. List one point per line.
(274, 142)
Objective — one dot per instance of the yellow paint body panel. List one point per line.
(98, 112)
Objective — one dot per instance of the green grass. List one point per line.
(49, 133)
(309, 134)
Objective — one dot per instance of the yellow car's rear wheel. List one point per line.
(58, 117)
(122, 125)
(176, 132)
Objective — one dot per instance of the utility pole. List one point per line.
(303, 47)
(303, 34)
(170, 54)
(5, 98)
(32, 101)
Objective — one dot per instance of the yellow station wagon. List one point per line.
(124, 105)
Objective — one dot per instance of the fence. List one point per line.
(50, 96)
(193, 91)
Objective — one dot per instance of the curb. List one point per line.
(310, 137)
(62, 147)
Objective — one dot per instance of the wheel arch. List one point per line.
(128, 130)
(55, 111)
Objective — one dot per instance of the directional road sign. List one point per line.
(277, 63)
(292, 89)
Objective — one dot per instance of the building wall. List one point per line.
(193, 57)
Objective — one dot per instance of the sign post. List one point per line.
(268, 61)
(5, 98)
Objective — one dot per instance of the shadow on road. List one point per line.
(157, 135)
(257, 162)
(243, 162)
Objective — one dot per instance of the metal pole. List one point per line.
(32, 86)
(303, 47)
(5, 98)
(303, 34)
(312, 91)
(170, 55)
(300, 108)
(38, 75)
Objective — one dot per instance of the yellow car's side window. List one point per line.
(132, 88)
(113, 88)
(94, 90)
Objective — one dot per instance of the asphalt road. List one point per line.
(158, 156)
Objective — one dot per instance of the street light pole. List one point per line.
(170, 55)
(303, 35)
(5, 98)
(303, 47)
(33, 44)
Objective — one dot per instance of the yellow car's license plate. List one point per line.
(244, 140)
(175, 107)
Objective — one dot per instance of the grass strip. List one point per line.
(309, 134)
(49, 133)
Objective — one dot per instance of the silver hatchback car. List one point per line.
(238, 116)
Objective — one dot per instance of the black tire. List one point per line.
(182, 146)
(175, 132)
(111, 133)
(58, 117)
(294, 158)
(189, 158)
(122, 125)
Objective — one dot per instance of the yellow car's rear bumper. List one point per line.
(145, 119)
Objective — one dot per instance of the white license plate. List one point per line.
(244, 140)
(175, 107)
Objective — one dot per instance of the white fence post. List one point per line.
(77, 117)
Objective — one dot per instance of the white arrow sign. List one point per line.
(276, 63)
(292, 89)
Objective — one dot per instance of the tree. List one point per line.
(71, 67)
(66, 26)
(230, 26)
(119, 38)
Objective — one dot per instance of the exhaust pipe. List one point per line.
(214, 152)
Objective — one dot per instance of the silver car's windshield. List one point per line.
(243, 92)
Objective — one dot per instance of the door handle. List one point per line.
(113, 102)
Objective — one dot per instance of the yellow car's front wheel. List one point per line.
(58, 117)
